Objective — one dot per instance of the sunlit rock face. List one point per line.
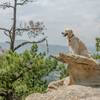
(65, 92)
(83, 82)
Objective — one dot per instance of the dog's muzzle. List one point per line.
(64, 34)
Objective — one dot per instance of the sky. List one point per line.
(82, 16)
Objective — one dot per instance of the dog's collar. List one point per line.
(66, 34)
(71, 37)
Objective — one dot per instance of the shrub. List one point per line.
(21, 74)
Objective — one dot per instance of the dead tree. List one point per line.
(32, 28)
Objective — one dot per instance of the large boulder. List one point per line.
(82, 70)
(65, 92)
(82, 84)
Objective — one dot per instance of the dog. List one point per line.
(76, 45)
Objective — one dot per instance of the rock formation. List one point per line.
(82, 70)
(82, 84)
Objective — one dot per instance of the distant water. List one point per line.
(53, 49)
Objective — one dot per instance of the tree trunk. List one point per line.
(14, 26)
(11, 96)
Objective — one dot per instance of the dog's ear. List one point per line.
(65, 28)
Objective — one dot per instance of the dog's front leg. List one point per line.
(71, 50)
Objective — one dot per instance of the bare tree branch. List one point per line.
(5, 5)
(54, 57)
(4, 29)
(24, 2)
(27, 42)
(10, 33)
(47, 46)
(26, 29)
(6, 34)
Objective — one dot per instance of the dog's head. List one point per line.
(67, 32)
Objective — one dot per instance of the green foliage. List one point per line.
(63, 71)
(97, 54)
(21, 74)
(97, 44)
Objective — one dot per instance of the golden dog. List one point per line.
(76, 45)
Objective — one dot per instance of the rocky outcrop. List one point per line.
(82, 84)
(82, 70)
(64, 92)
